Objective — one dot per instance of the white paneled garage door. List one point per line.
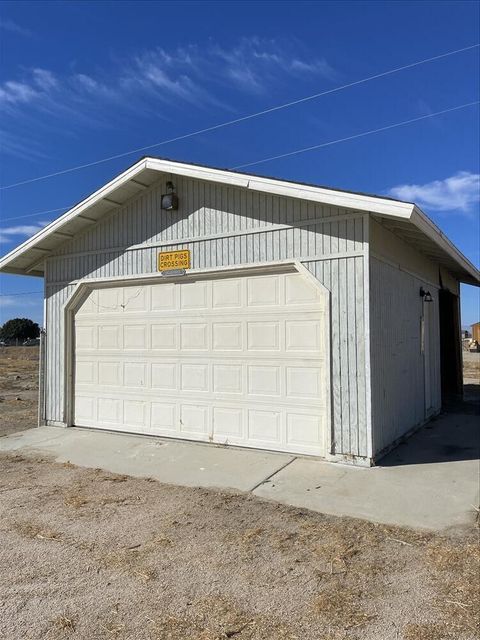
(234, 360)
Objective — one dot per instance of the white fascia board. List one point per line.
(200, 173)
(430, 229)
(73, 212)
(360, 202)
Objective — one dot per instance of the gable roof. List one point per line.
(404, 218)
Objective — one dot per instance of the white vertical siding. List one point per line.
(224, 226)
(397, 361)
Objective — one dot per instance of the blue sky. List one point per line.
(80, 81)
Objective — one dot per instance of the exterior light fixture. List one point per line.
(170, 199)
(426, 295)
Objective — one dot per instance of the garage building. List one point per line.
(190, 302)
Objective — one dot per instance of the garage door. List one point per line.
(233, 360)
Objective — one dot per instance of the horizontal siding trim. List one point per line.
(218, 236)
(248, 232)
(252, 265)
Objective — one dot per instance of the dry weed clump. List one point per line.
(35, 531)
(251, 535)
(456, 569)
(340, 606)
(216, 618)
(131, 562)
(64, 622)
(113, 628)
(17, 458)
(424, 631)
(75, 500)
(176, 628)
(111, 477)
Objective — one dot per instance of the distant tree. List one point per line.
(19, 329)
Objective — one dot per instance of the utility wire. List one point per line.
(357, 135)
(313, 147)
(37, 213)
(241, 119)
(23, 293)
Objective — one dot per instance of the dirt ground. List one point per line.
(18, 388)
(86, 554)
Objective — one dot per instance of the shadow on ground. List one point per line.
(454, 435)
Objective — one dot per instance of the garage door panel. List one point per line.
(135, 337)
(303, 429)
(194, 336)
(263, 291)
(235, 360)
(227, 294)
(163, 297)
(108, 300)
(264, 427)
(135, 299)
(194, 295)
(228, 423)
(263, 336)
(164, 376)
(264, 380)
(109, 336)
(194, 419)
(164, 336)
(109, 373)
(85, 410)
(304, 335)
(163, 417)
(109, 411)
(135, 374)
(301, 291)
(227, 336)
(227, 378)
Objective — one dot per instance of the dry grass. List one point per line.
(216, 618)
(251, 535)
(35, 531)
(113, 628)
(342, 606)
(131, 562)
(110, 477)
(424, 631)
(76, 501)
(19, 354)
(193, 564)
(64, 623)
(457, 569)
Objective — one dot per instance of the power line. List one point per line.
(357, 135)
(241, 119)
(23, 293)
(37, 213)
(313, 147)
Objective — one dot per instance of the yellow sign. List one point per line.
(168, 260)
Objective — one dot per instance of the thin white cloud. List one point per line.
(9, 301)
(319, 67)
(460, 192)
(13, 27)
(154, 81)
(7, 234)
(20, 147)
(257, 63)
(44, 79)
(13, 92)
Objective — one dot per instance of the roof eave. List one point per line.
(471, 275)
(28, 258)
